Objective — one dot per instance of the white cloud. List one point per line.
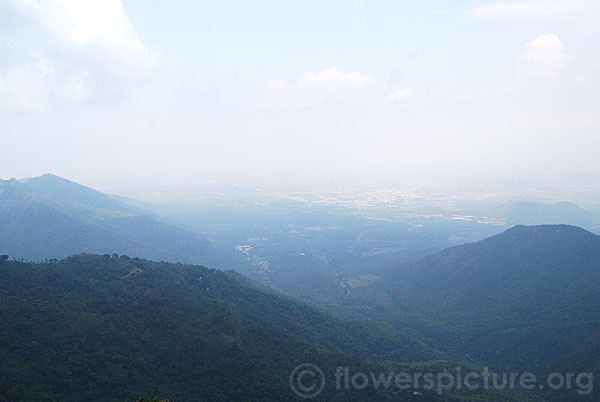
(61, 51)
(314, 89)
(544, 57)
(399, 95)
(575, 10)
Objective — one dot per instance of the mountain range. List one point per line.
(111, 326)
(50, 217)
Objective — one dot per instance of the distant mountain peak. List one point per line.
(59, 189)
(538, 213)
(58, 217)
(548, 230)
(11, 186)
(11, 182)
(536, 203)
(51, 175)
(50, 178)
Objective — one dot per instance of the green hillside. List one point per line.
(110, 328)
(50, 217)
(524, 300)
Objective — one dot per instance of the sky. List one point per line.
(114, 93)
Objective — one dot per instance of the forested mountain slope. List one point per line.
(110, 328)
(50, 217)
(526, 299)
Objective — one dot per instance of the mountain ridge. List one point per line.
(41, 221)
(540, 213)
(59, 189)
(526, 298)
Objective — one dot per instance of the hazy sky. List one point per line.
(108, 93)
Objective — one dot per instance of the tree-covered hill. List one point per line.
(50, 217)
(526, 300)
(64, 191)
(112, 328)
